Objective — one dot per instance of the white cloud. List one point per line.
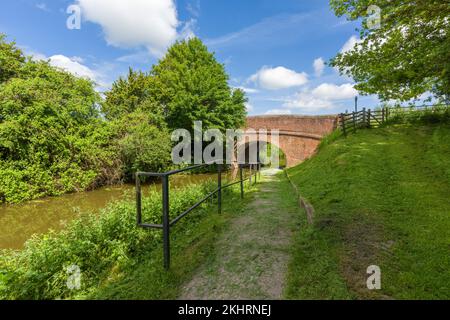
(319, 66)
(334, 92)
(278, 112)
(134, 23)
(350, 44)
(72, 66)
(278, 78)
(249, 107)
(307, 102)
(320, 98)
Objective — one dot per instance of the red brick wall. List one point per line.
(297, 148)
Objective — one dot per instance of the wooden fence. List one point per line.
(367, 118)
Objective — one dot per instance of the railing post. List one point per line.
(382, 115)
(138, 200)
(259, 170)
(242, 181)
(219, 185)
(166, 221)
(354, 122)
(250, 176)
(368, 118)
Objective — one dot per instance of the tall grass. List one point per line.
(101, 245)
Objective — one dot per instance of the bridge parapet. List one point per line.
(299, 135)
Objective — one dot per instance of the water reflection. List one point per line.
(19, 222)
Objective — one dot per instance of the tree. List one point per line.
(128, 95)
(191, 85)
(11, 59)
(187, 85)
(48, 129)
(408, 55)
(143, 143)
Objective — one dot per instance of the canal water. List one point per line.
(19, 222)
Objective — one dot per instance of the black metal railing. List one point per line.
(166, 222)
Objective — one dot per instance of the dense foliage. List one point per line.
(408, 55)
(47, 121)
(101, 245)
(188, 84)
(54, 137)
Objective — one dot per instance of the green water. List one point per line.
(19, 222)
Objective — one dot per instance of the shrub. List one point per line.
(100, 244)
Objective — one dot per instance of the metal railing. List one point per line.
(166, 222)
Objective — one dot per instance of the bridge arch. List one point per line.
(299, 136)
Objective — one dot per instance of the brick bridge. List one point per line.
(299, 136)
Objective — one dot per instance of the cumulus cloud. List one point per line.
(249, 107)
(72, 66)
(334, 92)
(322, 97)
(319, 66)
(307, 102)
(278, 112)
(134, 23)
(278, 78)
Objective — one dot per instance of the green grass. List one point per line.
(191, 247)
(382, 197)
(119, 260)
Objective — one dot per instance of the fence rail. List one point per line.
(166, 222)
(367, 118)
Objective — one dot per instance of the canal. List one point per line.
(19, 222)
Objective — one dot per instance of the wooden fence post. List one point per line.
(364, 117)
(382, 115)
(368, 118)
(343, 124)
(354, 121)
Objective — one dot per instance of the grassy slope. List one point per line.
(382, 197)
(190, 248)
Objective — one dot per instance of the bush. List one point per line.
(100, 244)
(414, 115)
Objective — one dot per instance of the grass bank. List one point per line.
(381, 197)
(117, 259)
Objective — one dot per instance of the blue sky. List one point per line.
(274, 50)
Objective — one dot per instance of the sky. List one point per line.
(276, 51)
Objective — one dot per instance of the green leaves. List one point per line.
(47, 116)
(192, 85)
(407, 56)
(100, 244)
(187, 85)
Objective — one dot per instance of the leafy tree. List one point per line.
(188, 84)
(46, 123)
(191, 85)
(128, 95)
(407, 56)
(11, 59)
(143, 142)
